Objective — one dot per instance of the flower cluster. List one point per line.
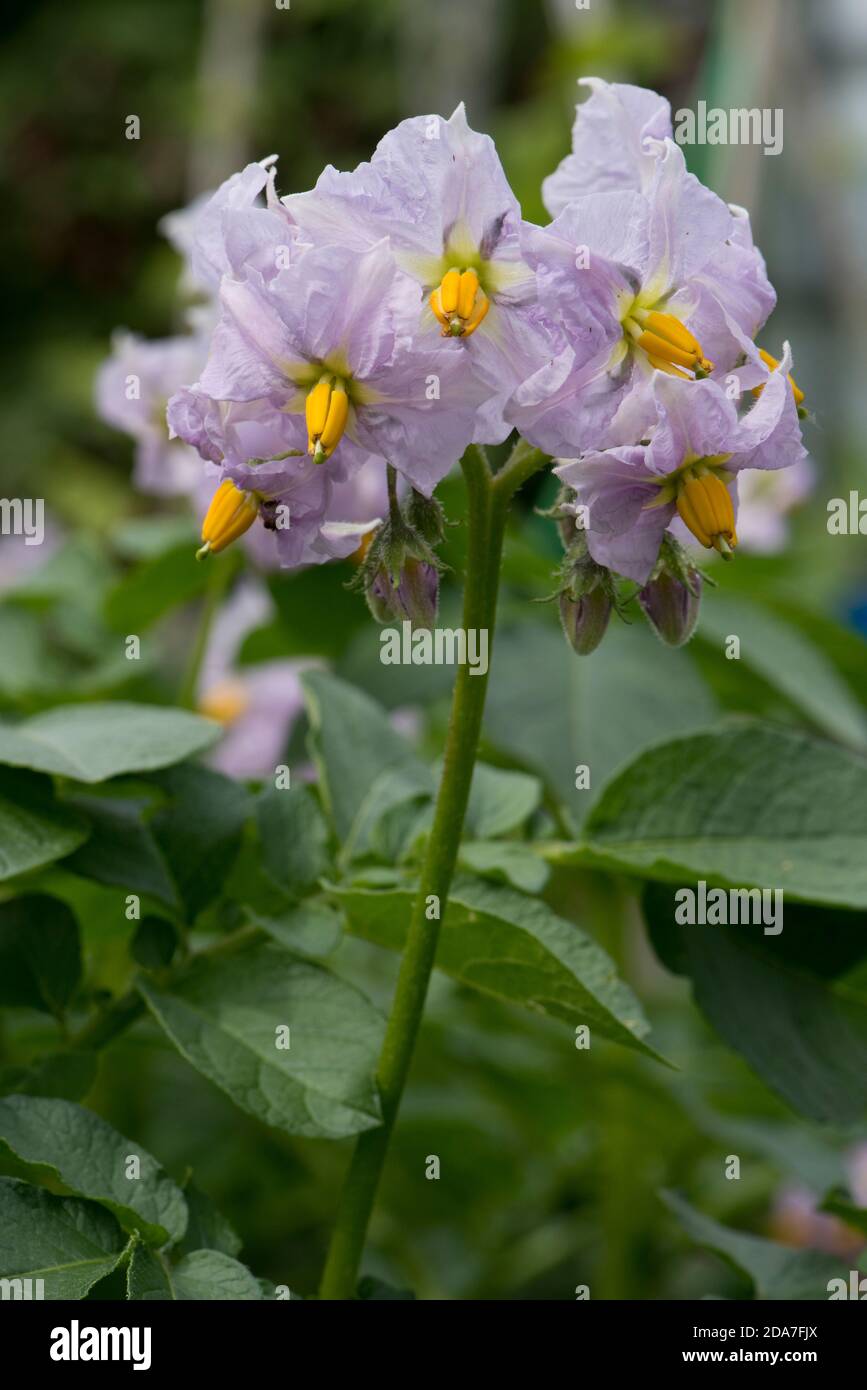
(397, 313)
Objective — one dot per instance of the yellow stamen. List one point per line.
(459, 303)
(662, 366)
(450, 291)
(437, 306)
(772, 363)
(326, 412)
(655, 346)
(483, 304)
(226, 701)
(467, 293)
(335, 424)
(231, 513)
(316, 409)
(665, 339)
(705, 506)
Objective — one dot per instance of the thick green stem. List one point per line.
(488, 505)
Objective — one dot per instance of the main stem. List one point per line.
(488, 506)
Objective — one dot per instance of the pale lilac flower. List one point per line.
(796, 1219)
(133, 387)
(20, 559)
(257, 704)
(644, 270)
(312, 513)
(614, 141)
(210, 230)
(766, 501)
(697, 448)
(333, 327)
(438, 191)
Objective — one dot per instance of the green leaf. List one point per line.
(78, 571)
(311, 928)
(507, 861)
(40, 953)
(806, 1037)
(68, 1243)
(207, 1228)
(34, 829)
(90, 1158)
(500, 801)
(748, 804)
(788, 661)
(154, 587)
(397, 800)
(301, 599)
(839, 1204)
(204, 1275)
(774, 1271)
(513, 948)
(146, 537)
(96, 741)
(67, 1074)
(199, 830)
(353, 743)
(554, 711)
(294, 837)
(224, 1016)
(121, 848)
(154, 943)
(30, 665)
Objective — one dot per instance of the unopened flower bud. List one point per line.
(585, 619)
(414, 597)
(425, 516)
(671, 606)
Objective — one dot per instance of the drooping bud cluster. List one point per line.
(400, 571)
(671, 598)
(587, 595)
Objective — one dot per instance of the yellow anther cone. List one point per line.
(335, 423)
(450, 291)
(772, 363)
(316, 410)
(326, 412)
(231, 513)
(666, 339)
(467, 293)
(483, 304)
(705, 506)
(668, 352)
(459, 303)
